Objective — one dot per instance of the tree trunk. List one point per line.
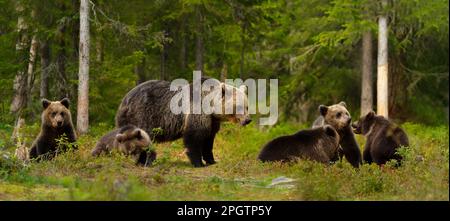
(99, 50)
(163, 58)
(241, 66)
(224, 72)
(382, 69)
(45, 66)
(199, 42)
(31, 62)
(61, 58)
(20, 81)
(83, 74)
(139, 70)
(367, 85)
(182, 54)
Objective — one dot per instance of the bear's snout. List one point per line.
(349, 120)
(59, 123)
(246, 121)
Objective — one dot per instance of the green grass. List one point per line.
(238, 175)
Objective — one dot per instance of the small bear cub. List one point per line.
(319, 144)
(129, 140)
(383, 138)
(56, 123)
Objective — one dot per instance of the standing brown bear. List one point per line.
(56, 122)
(318, 144)
(128, 140)
(338, 116)
(148, 107)
(383, 138)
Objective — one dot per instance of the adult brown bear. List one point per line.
(147, 106)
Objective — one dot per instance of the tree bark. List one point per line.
(20, 81)
(139, 70)
(382, 69)
(45, 66)
(199, 41)
(31, 62)
(61, 58)
(366, 82)
(182, 54)
(99, 50)
(241, 66)
(83, 74)
(163, 58)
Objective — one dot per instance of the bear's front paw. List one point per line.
(210, 162)
(198, 164)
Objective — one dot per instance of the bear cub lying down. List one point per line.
(383, 138)
(129, 140)
(319, 144)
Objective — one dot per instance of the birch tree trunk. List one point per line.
(31, 63)
(61, 58)
(83, 74)
(382, 69)
(20, 80)
(366, 82)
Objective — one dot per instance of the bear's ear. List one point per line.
(370, 115)
(65, 102)
(120, 138)
(342, 103)
(329, 130)
(137, 134)
(45, 103)
(243, 88)
(323, 110)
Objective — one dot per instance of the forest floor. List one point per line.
(75, 175)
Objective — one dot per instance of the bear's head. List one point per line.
(336, 115)
(233, 104)
(56, 114)
(132, 140)
(363, 125)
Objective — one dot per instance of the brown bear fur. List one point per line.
(129, 140)
(383, 138)
(318, 144)
(56, 122)
(338, 116)
(148, 107)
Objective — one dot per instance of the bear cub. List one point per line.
(56, 122)
(318, 144)
(129, 140)
(338, 117)
(383, 138)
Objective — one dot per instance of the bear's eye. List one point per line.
(53, 114)
(62, 114)
(338, 115)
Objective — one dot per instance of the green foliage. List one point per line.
(238, 175)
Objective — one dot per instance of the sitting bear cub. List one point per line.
(129, 140)
(56, 123)
(318, 144)
(383, 138)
